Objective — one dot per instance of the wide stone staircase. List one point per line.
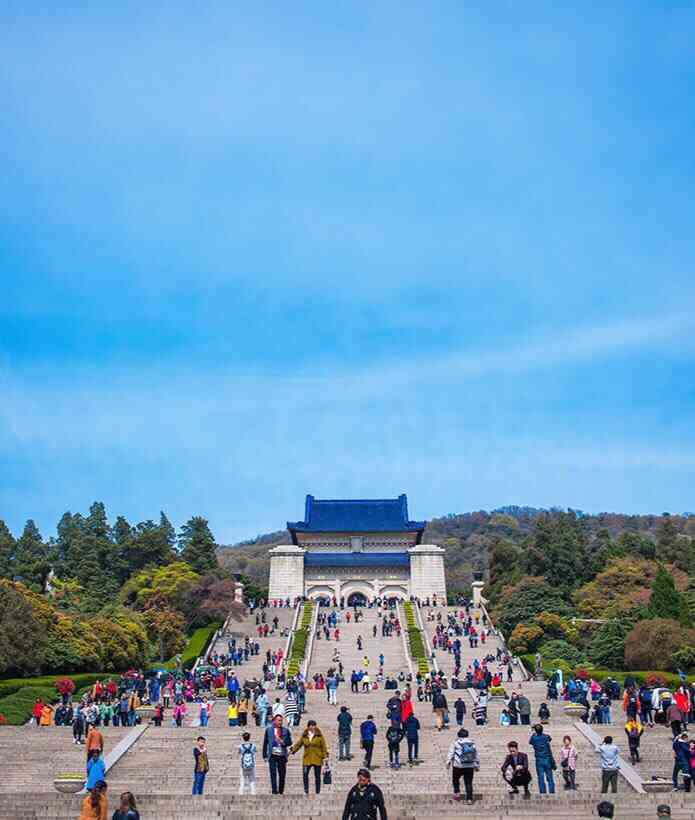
(158, 768)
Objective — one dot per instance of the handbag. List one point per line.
(327, 776)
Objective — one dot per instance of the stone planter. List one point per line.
(573, 710)
(657, 786)
(69, 784)
(497, 698)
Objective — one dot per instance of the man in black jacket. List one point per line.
(518, 762)
(364, 800)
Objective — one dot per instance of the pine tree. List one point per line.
(197, 544)
(7, 552)
(665, 600)
(31, 562)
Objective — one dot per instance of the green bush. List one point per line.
(415, 640)
(17, 707)
(197, 643)
(11, 685)
(562, 650)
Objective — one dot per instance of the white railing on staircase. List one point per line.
(516, 659)
(293, 626)
(404, 630)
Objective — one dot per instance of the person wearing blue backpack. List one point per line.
(464, 761)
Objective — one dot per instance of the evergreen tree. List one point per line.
(607, 647)
(7, 552)
(667, 547)
(198, 548)
(31, 558)
(665, 600)
(168, 531)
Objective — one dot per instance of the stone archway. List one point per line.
(394, 591)
(319, 592)
(359, 587)
(357, 599)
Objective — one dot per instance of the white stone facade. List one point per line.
(424, 578)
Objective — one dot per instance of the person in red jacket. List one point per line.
(36, 711)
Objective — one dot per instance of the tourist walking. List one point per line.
(95, 805)
(544, 759)
(464, 761)
(610, 757)
(568, 763)
(344, 733)
(460, 709)
(201, 765)
(276, 743)
(518, 763)
(394, 736)
(681, 762)
(524, 706)
(247, 765)
(315, 753)
(368, 732)
(439, 707)
(96, 770)
(412, 736)
(127, 809)
(364, 800)
(634, 731)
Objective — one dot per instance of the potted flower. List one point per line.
(69, 782)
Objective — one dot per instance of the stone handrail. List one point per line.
(516, 659)
(406, 648)
(629, 773)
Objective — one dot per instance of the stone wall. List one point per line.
(286, 572)
(427, 571)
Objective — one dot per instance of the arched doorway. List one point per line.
(321, 593)
(357, 599)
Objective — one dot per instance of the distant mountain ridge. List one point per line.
(467, 537)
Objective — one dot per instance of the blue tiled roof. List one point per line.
(356, 559)
(381, 515)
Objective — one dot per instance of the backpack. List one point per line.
(248, 760)
(466, 752)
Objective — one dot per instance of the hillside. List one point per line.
(469, 538)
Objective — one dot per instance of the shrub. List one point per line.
(65, 686)
(525, 638)
(652, 644)
(607, 647)
(561, 650)
(684, 658)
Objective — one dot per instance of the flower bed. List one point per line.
(415, 640)
(300, 639)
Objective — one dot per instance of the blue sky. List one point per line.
(348, 249)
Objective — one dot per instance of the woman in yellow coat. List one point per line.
(95, 806)
(315, 752)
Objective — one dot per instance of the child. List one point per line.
(568, 763)
(158, 714)
(394, 735)
(233, 714)
(504, 718)
(247, 762)
(544, 713)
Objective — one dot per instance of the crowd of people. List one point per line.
(277, 706)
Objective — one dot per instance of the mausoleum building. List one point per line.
(357, 549)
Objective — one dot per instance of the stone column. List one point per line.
(427, 572)
(286, 572)
(337, 590)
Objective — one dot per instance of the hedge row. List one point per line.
(415, 640)
(196, 646)
(16, 708)
(11, 685)
(300, 639)
(600, 675)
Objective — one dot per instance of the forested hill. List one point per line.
(469, 539)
